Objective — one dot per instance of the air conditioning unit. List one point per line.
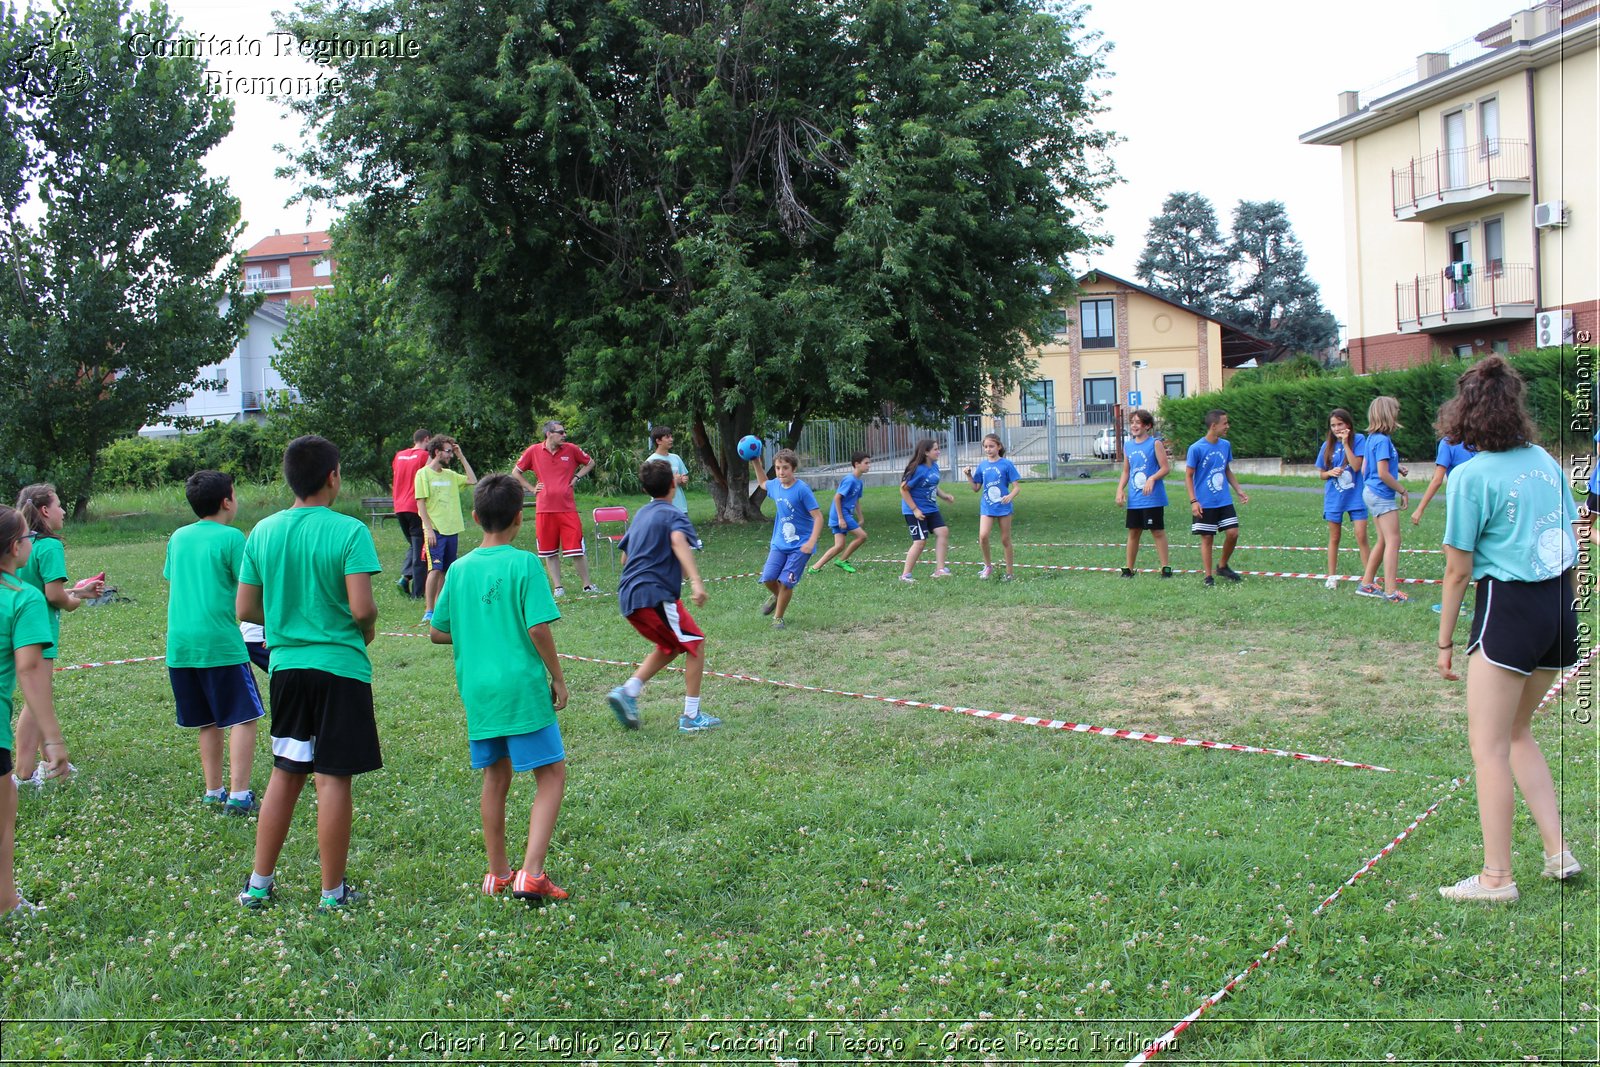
(1552, 329)
(1549, 214)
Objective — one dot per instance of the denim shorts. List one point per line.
(1379, 505)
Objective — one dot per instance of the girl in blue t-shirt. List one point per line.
(25, 635)
(844, 517)
(1384, 496)
(1142, 489)
(997, 480)
(1339, 463)
(1446, 458)
(919, 505)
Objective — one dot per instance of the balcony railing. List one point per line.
(266, 285)
(1453, 297)
(1453, 175)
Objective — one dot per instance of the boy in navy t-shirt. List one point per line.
(1208, 470)
(657, 551)
(796, 524)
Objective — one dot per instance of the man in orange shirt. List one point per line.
(557, 463)
(407, 462)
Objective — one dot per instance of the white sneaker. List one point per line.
(1561, 865)
(1470, 888)
(1331, 583)
(559, 591)
(591, 588)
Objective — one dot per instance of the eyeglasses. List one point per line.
(563, 433)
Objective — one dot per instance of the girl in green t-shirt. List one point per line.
(46, 570)
(24, 637)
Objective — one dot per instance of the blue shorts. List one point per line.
(787, 565)
(1379, 505)
(1337, 514)
(215, 696)
(525, 751)
(850, 523)
(442, 552)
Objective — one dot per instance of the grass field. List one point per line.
(831, 878)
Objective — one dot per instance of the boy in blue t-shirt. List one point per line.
(657, 551)
(796, 524)
(1208, 472)
(844, 516)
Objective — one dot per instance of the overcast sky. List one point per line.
(1209, 98)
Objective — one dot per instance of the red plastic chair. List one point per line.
(609, 518)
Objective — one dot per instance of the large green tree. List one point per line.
(1184, 255)
(768, 209)
(117, 245)
(1272, 295)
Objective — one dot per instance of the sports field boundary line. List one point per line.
(1192, 547)
(1157, 570)
(1154, 1048)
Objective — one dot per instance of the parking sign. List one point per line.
(1136, 398)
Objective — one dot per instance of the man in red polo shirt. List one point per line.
(556, 464)
(407, 462)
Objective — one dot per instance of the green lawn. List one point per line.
(872, 880)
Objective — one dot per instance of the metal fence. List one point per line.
(1041, 443)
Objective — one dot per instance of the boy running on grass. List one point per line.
(844, 517)
(657, 551)
(495, 611)
(1208, 471)
(212, 682)
(307, 577)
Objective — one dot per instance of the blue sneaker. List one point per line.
(427, 616)
(255, 899)
(241, 803)
(698, 723)
(345, 899)
(626, 707)
(209, 801)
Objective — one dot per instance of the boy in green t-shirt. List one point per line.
(496, 610)
(307, 577)
(207, 663)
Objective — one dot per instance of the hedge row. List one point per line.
(249, 451)
(1290, 418)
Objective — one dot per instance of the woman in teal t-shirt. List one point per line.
(1508, 524)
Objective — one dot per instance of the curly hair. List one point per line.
(1488, 412)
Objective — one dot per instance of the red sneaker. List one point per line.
(525, 886)
(494, 885)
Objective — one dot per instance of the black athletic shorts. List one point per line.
(1525, 626)
(1147, 518)
(1212, 520)
(323, 723)
(5, 761)
(921, 528)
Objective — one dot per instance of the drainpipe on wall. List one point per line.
(1533, 181)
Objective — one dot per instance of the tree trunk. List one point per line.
(729, 475)
(80, 503)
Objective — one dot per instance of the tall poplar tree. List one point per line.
(773, 209)
(117, 246)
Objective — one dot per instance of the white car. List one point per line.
(1105, 445)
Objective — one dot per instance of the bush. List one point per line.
(1289, 418)
(249, 451)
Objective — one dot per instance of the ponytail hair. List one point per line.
(996, 439)
(919, 455)
(31, 503)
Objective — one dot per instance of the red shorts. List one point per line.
(670, 628)
(558, 534)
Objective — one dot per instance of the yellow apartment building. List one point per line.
(1471, 194)
(1121, 338)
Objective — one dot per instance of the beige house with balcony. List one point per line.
(1471, 197)
(1121, 338)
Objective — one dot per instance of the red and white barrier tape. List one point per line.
(109, 663)
(1561, 682)
(1241, 548)
(1005, 716)
(1155, 1047)
(1175, 570)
